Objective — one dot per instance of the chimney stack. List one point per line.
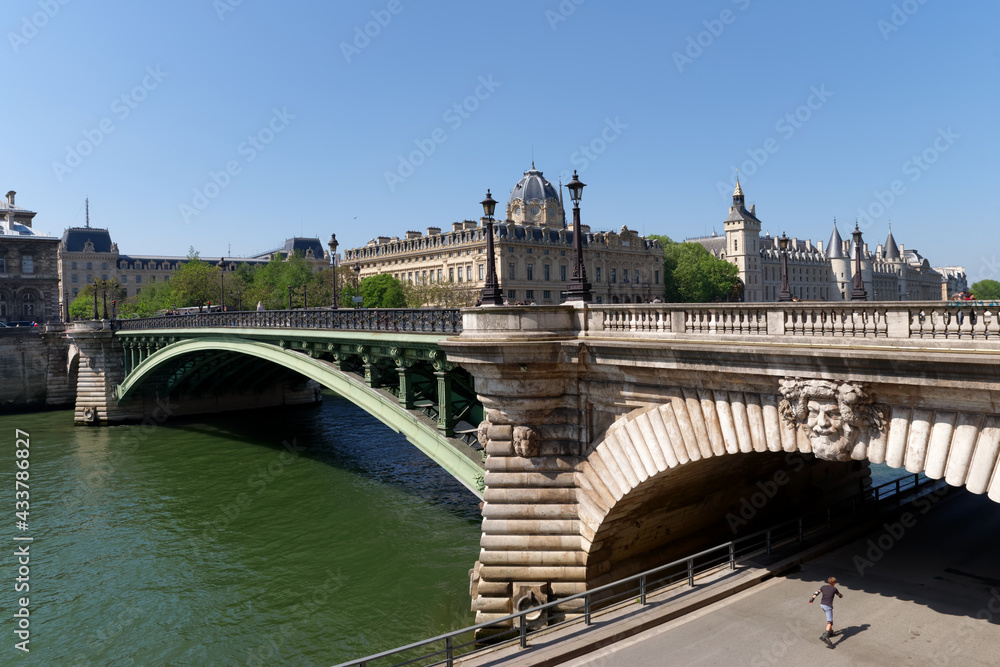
(10, 198)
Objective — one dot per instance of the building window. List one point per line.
(637, 276)
(124, 279)
(529, 294)
(105, 277)
(546, 294)
(90, 278)
(29, 305)
(546, 251)
(439, 275)
(531, 271)
(562, 273)
(657, 277)
(72, 278)
(104, 266)
(598, 274)
(600, 299)
(75, 292)
(138, 279)
(529, 251)
(3, 265)
(546, 271)
(510, 249)
(73, 266)
(137, 290)
(459, 274)
(468, 273)
(614, 276)
(27, 264)
(451, 275)
(90, 266)
(511, 272)
(3, 305)
(562, 253)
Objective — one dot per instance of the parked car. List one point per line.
(22, 323)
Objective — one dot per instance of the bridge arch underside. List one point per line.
(686, 509)
(234, 373)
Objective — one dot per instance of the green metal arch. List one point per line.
(388, 411)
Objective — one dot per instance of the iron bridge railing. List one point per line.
(419, 320)
(638, 588)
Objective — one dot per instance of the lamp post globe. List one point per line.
(786, 293)
(333, 263)
(491, 294)
(578, 289)
(357, 283)
(222, 274)
(858, 292)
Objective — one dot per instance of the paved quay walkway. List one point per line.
(924, 594)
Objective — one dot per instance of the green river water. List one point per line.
(305, 536)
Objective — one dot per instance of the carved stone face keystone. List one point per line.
(838, 417)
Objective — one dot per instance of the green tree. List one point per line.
(82, 307)
(694, 275)
(382, 291)
(987, 290)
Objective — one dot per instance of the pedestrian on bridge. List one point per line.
(260, 306)
(826, 604)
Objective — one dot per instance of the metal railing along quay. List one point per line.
(637, 589)
(413, 320)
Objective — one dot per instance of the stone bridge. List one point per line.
(620, 437)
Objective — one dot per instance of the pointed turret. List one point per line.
(891, 249)
(836, 248)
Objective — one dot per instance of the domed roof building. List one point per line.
(535, 201)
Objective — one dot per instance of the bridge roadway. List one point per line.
(933, 598)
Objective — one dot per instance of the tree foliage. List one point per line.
(82, 307)
(694, 275)
(987, 290)
(382, 291)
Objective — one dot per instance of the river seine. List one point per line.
(306, 536)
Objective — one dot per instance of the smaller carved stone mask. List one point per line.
(527, 441)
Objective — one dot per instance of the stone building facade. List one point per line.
(534, 253)
(88, 253)
(29, 271)
(890, 273)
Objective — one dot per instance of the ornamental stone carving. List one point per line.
(527, 441)
(481, 432)
(839, 418)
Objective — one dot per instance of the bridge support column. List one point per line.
(444, 422)
(405, 387)
(102, 367)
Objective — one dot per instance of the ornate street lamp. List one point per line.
(491, 294)
(66, 304)
(95, 298)
(222, 272)
(289, 297)
(333, 262)
(786, 293)
(578, 288)
(357, 284)
(858, 292)
(104, 297)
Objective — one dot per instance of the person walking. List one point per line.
(826, 594)
(260, 306)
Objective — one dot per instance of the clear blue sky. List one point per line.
(666, 122)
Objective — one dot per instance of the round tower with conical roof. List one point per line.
(840, 266)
